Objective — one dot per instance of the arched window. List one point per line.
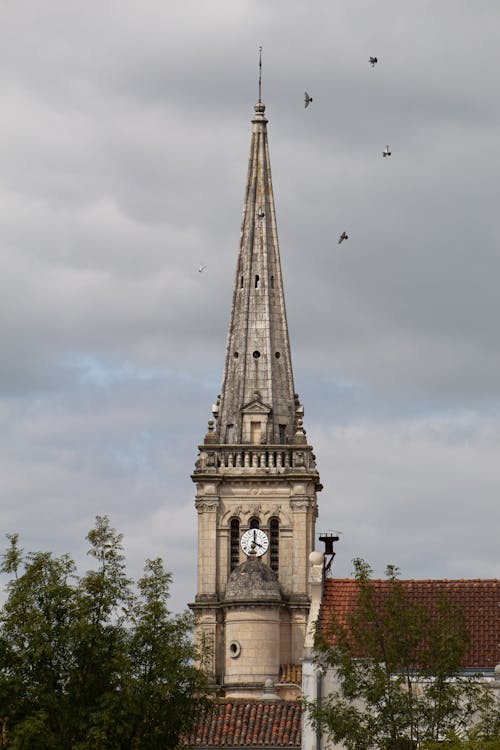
(254, 523)
(274, 544)
(235, 543)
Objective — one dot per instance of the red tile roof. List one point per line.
(248, 724)
(478, 599)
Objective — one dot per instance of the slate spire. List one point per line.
(258, 381)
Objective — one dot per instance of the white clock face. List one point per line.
(254, 542)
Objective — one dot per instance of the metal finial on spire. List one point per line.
(260, 74)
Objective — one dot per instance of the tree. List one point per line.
(397, 666)
(90, 662)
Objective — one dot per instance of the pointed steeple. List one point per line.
(255, 470)
(258, 385)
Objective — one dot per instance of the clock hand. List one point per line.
(255, 539)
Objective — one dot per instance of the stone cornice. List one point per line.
(290, 602)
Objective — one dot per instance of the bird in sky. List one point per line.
(343, 236)
(386, 151)
(373, 61)
(307, 99)
(201, 269)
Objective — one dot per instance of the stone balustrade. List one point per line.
(251, 458)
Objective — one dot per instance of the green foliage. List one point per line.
(397, 665)
(88, 662)
(484, 736)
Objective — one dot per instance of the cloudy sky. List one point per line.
(124, 142)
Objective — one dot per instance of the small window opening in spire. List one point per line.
(256, 354)
(282, 431)
(241, 283)
(272, 282)
(236, 355)
(235, 543)
(254, 523)
(257, 280)
(274, 544)
(277, 355)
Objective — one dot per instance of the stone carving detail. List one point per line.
(316, 567)
(299, 459)
(302, 504)
(254, 510)
(206, 506)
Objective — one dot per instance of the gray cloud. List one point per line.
(124, 143)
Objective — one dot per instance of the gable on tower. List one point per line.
(256, 407)
(255, 421)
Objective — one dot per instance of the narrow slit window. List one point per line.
(282, 429)
(257, 280)
(241, 283)
(274, 544)
(272, 282)
(235, 543)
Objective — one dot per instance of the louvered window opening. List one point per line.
(235, 543)
(274, 544)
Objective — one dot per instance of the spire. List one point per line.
(260, 75)
(258, 403)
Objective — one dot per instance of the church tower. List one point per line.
(256, 477)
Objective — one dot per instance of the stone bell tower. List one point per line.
(256, 478)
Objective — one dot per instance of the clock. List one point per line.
(254, 542)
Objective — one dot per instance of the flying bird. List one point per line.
(373, 61)
(201, 269)
(307, 99)
(343, 236)
(386, 151)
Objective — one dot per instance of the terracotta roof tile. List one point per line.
(478, 599)
(247, 724)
